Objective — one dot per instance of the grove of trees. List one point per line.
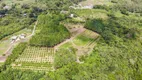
(51, 31)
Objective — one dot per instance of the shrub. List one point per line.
(101, 7)
(124, 11)
(64, 57)
(25, 6)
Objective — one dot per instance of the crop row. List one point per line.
(33, 68)
(35, 58)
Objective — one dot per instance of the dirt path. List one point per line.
(34, 28)
(9, 50)
(2, 59)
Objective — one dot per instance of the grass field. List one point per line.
(86, 38)
(4, 46)
(82, 40)
(66, 45)
(35, 58)
(1, 64)
(96, 2)
(91, 13)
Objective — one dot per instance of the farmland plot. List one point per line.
(85, 42)
(35, 58)
(86, 38)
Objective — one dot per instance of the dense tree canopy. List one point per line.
(65, 57)
(51, 31)
(111, 29)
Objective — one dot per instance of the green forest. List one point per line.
(51, 31)
(72, 42)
